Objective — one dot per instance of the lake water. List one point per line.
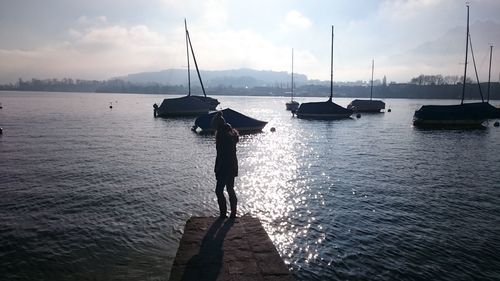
(93, 193)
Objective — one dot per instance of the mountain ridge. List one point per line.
(242, 77)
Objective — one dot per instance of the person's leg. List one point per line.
(221, 199)
(233, 201)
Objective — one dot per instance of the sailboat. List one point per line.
(190, 105)
(460, 115)
(367, 105)
(292, 105)
(327, 109)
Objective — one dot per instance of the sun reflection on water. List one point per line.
(273, 189)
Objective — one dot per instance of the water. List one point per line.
(93, 193)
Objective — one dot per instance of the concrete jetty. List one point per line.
(227, 249)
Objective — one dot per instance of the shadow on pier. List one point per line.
(208, 262)
(227, 249)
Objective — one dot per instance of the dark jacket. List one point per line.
(226, 162)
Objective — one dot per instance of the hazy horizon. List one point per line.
(94, 40)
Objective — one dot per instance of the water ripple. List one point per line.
(92, 193)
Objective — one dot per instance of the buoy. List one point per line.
(358, 115)
(273, 129)
(389, 110)
(496, 124)
(110, 106)
(1, 131)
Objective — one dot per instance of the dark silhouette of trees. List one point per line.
(423, 86)
(78, 85)
(438, 80)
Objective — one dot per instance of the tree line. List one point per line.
(438, 80)
(422, 86)
(94, 86)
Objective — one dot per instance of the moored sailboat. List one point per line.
(190, 105)
(292, 105)
(327, 109)
(460, 115)
(370, 105)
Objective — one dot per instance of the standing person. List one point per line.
(226, 164)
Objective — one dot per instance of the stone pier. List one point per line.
(227, 249)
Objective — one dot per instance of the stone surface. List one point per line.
(227, 249)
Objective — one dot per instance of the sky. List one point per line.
(101, 39)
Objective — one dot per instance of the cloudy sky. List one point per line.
(99, 39)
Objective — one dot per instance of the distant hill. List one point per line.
(243, 77)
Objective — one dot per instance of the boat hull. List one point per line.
(436, 123)
(240, 122)
(183, 106)
(366, 105)
(467, 115)
(323, 111)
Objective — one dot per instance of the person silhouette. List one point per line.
(226, 164)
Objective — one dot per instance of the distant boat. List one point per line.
(367, 105)
(460, 115)
(292, 105)
(190, 105)
(327, 109)
(240, 122)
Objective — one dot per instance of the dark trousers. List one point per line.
(228, 182)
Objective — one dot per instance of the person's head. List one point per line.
(218, 122)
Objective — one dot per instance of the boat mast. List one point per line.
(489, 74)
(331, 70)
(187, 53)
(195, 63)
(475, 68)
(466, 53)
(371, 88)
(292, 74)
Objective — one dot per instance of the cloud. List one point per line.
(98, 49)
(114, 40)
(93, 53)
(215, 12)
(113, 50)
(86, 21)
(295, 20)
(404, 10)
(247, 49)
